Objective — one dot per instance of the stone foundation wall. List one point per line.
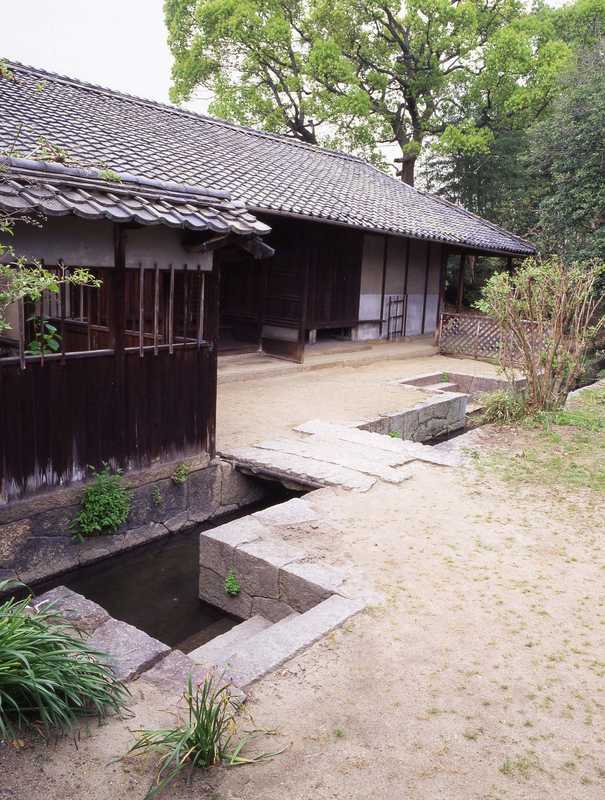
(469, 384)
(275, 580)
(35, 537)
(444, 413)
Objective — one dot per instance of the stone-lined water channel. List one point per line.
(155, 586)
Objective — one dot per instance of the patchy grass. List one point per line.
(558, 448)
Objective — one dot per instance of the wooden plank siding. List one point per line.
(60, 417)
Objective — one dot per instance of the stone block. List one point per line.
(293, 512)
(97, 547)
(41, 557)
(274, 610)
(304, 585)
(257, 566)
(145, 533)
(178, 522)
(13, 537)
(128, 650)
(212, 590)
(203, 491)
(217, 546)
(84, 614)
(218, 650)
(172, 672)
(55, 522)
(155, 502)
(282, 641)
(238, 489)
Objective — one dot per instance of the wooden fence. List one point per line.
(469, 335)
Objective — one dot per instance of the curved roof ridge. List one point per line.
(171, 108)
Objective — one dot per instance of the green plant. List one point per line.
(549, 314)
(105, 505)
(503, 407)
(180, 474)
(445, 377)
(108, 174)
(232, 586)
(156, 497)
(394, 434)
(205, 739)
(46, 337)
(49, 676)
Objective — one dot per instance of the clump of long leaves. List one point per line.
(503, 407)
(49, 676)
(207, 737)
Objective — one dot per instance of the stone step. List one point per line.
(297, 469)
(274, 646)
(367, 461)
(219, 649)
(403, 447)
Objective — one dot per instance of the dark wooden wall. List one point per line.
(59, 417)
(312, 281)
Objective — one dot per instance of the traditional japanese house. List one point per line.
(123, 373)
(358, 254)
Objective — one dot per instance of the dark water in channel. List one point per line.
(155, 586)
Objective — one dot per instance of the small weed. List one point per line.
(445, 377)
(205, 739)
(339, 733)
(180, 474)
(521, 765)
(157, 497)
(107, 174)
(395, 434)
(105, 505)
(232, 585)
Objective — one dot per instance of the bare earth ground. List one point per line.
(268, 407)
(479, 676)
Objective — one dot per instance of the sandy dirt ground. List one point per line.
(268, 407)
(478, 676)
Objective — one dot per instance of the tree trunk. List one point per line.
(406, 172)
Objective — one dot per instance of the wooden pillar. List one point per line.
(118, 298)
(461, 284)
(384, 280)
(440, 302)
(509, 265)
(404, 309)
(426, 284)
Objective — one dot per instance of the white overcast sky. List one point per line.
(120, 44)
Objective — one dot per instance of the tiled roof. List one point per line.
(55, 190)
(272, 173)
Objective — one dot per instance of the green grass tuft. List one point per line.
(49, 676)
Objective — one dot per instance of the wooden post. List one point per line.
(405, 289)
(440, 302)
(384, 280)
(460, 283)
(118, 305)
(426, 284)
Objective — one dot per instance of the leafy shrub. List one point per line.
(180, 474)
(105, 506)
(205, 739)
(503, 407)
(49, 676)
(549, 314)
(232, 586)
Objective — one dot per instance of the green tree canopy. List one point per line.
(357, 74)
